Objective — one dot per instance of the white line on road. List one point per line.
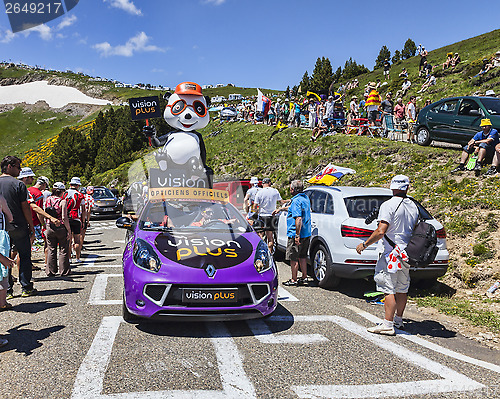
(89, 382)
(285, 296)
(429, 345)
(262, 332)
(451, 381)
(98, 292)
(120, 241)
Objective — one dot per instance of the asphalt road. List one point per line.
(71, 342)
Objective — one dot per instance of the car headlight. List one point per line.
(145, 256)
(263, 260)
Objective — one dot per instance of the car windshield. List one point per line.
(102, 193)
(192, 216)
(361, 207)
(492, 105)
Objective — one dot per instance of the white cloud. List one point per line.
(138, 43)
(7, 36)
(43, 30)
(215, 2)
(125, 5)
(66, 21)
(47, 33)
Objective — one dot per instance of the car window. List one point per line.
(492, 105)
(448, 107)
(466, 106)
(102, 193)
(318, 201)
(329, 205)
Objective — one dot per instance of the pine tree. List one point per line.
(322, 76)
(287, 92)
(409, 49)
(396, 57)
(304, 83)
(70, 151)
(382, 56)
(337, 75)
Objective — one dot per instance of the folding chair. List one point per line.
(395, 131)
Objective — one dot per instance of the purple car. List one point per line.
(195, 259)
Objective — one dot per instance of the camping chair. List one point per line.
(395, 131)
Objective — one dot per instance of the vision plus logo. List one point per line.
(26, 14)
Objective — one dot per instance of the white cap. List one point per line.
(59, 186)
(400, 182)
(75, 181)
(490, 93)
(254, 180)
(26, 172)
(43, 179)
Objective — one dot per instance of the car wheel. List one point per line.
(323, 269)
(423, 136)
(127, 316)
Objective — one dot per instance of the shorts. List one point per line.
(391, 283)
(488, 147)
(266, 223)
(372, 116)
(294, 251)
(4, 283)
(386, 72)
(75, 226)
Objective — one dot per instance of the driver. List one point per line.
(207, 216)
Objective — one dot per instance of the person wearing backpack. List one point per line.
(76, 213)
(397, 219)
(56, 206)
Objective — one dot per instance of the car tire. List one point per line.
(322, 268)
(127, 316)
(423, 136)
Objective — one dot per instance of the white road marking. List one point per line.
(89, 261)
(262, 332)
(89, 382)
(120, 241)
(429, 345)
(285, 296)
(98, 293)
(451, 381)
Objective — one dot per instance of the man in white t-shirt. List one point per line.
(250, 196)
(397, 219)
(265, 203)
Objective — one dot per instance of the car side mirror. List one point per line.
(474, 112)
(125, 223)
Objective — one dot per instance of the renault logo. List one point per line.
(210, 270)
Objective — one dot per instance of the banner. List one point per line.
(188, 194)
(144, 108)
(330, 174)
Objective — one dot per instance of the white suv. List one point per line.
(338, 225)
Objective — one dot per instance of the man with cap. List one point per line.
(16, 194)
(76, 213)
(373, 103)
(250, 196)
(265, 204)
(396, 220)
(483, 144)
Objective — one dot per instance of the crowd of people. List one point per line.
(54, 214)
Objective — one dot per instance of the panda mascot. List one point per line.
(183, 149)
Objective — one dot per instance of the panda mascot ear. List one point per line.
(167, 95)
(207, 99)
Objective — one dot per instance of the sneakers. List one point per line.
(459, 168)
(381, 329)
(477, 168)
(491, 171)
(399, 324)
(290, 283)
(10, 295)
(27, 293)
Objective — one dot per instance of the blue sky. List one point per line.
(250, 43)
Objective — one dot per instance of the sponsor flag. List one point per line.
(330, 174)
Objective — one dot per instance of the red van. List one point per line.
(236, 189)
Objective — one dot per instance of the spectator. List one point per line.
(88, 203)
(387, 108)
(297, 111)
(5, 262)
(16, 195)
(114, 191)
(58, 236)
(426, 69)
(403, 73)
(449, 59)
(397, 218)
(372, 104)
(427, 102)
(362, 107)
(312, 113)
(387, 69)
(489, 64)
(423, 58)
(298, 222)
(265, 204)
(404, 88)
(329, 111)
(353, 110)
(76, 213)
(37, 194)
(250, 196)
(411, 117)
(483, 143)
(399, 110)
(277, 109)
(456, 60)
(430, 81)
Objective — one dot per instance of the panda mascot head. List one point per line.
(187, 108)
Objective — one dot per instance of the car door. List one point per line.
(318, 202)
(443, 121)
(468, 119)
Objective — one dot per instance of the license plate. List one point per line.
(209, 295)
(108, 210)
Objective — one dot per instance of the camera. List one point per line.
(372, 215)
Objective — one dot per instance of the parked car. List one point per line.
(105, 203)
(456, 119)
(338, 225)
(177, 267)
(133, 198)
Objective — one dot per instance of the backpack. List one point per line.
(53, 207)
(422, 247)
